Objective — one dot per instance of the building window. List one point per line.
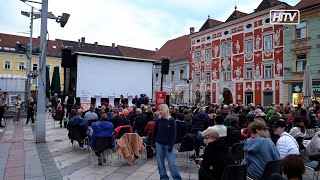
(228, 49)
(249, 73)
(181, 74)
(208, 77)
(208, 56)
(267, 42)
(228, 74)
(7, 64)
(197, 57)
(157, 76)
(198, 78)
(301, 30)
(34, 67)
(164, 77)
(49, 67)
(301, 62)
(223, 50)
(172, 76)
(34, 81)
(249, 46)
(267, 71)
(21, 66)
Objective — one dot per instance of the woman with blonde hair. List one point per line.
(164, 137)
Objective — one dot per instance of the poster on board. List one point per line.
(85, 100)
(160, 98)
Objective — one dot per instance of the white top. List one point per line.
(296, 132)
(286, 145)
(220, 129)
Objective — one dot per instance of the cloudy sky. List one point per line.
(146, 24)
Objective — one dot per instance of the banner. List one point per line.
(160, 99)
(85, 100)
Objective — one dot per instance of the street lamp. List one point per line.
(41, 96)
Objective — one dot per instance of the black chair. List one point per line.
(300, 143)
(314, 164)
(92, 121)
(77, 133)
(233, 138)
(102, 144)
(271, 168)
(235, 172)
(237, 152)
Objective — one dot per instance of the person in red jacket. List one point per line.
(59, 114)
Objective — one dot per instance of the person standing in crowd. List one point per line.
(3, 105)
(259, 149)
(54, 103)
(17, 112)
(122, 101)
(164, 137)
(286, 144)
(30, 112)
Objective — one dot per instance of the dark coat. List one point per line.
(216, 156)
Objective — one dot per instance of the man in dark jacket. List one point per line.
(78, 120)
(117, 121)
(140, 122)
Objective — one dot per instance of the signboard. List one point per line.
(160, 98)
(297, 87)
(85, 100)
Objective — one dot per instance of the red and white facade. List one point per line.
(243, 56)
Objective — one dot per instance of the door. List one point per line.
(267, 98)
(207, 99)
(249, 97)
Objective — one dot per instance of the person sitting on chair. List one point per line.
(216, 156)
(91, 116)
(59, 114)
(293, 167)
(259, 149)
(103, 128)
(78, 120)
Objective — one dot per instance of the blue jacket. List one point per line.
(101, 129)
(258, 152)
(200, 119)
(76, 120)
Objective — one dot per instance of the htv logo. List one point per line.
(284, 16)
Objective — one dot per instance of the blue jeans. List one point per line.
(161, 153)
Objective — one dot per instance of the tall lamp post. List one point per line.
(41, 95)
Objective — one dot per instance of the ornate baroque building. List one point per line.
(239, 60)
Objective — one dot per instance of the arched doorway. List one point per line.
(227, 96)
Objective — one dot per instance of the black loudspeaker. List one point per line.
(165, 65)
(66, 58)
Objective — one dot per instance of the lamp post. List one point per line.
(41, 95)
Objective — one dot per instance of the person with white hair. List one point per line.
(216, 156)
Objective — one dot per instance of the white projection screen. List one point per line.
(111, 77)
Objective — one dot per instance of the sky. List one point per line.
(145, 24)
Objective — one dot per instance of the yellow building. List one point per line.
(14, 61)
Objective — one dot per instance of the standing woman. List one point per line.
(164, 136)
(17, 112)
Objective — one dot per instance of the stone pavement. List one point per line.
(22, 158)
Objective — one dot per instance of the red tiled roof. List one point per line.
(265, 4)
(235, 15)
(175, 49)
(303, 4)
(209, 24)
(135, 52)
(10, 41)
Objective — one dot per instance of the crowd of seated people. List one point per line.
(267, 133)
